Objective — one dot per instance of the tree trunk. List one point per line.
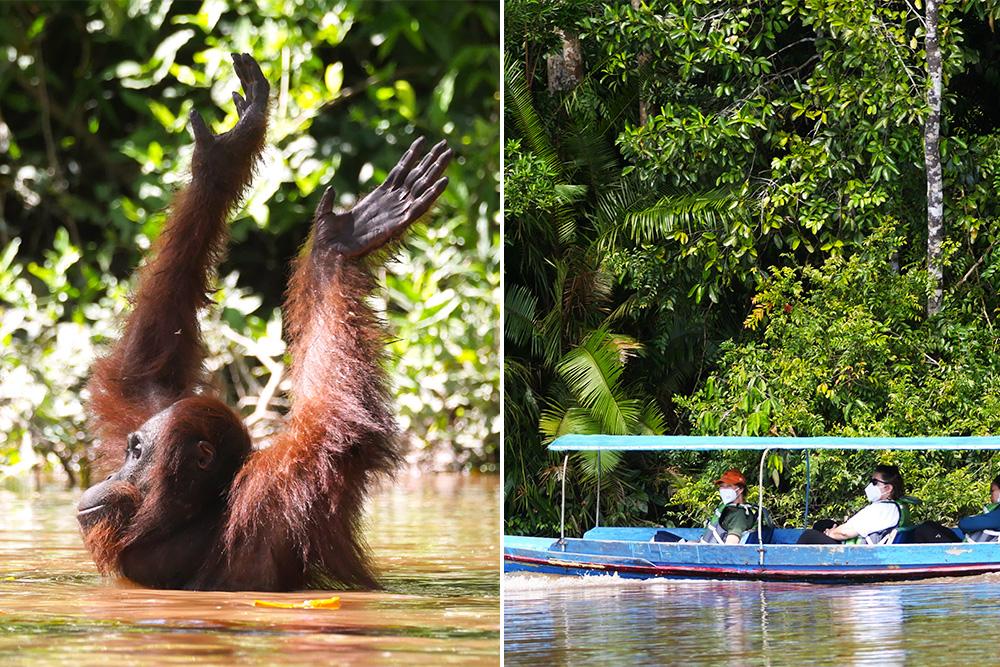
(642, 61)
(932, 161)
(565, 70)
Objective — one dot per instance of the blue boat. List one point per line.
(631, 553)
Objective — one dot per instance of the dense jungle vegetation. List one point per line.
(717, 223)
(94, 101)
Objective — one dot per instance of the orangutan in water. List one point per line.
(194, 506)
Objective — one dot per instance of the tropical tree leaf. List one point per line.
(557, 421)
(525, 117)
(651, 420)
(519, 315)
(687, 214)
(532, 130)
(593, 371)
(588, 464)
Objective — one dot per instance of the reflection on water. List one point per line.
(435, 539)
(606, 620)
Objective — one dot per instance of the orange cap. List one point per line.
(733, 477)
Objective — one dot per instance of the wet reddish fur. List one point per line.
(292, 515)
(192, 419)
(109, 536)
(159, 356)
(301, 499)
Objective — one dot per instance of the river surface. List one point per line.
(435, 538)
(550, 620)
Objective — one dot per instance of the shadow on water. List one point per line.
(435, 539)
(606, 620)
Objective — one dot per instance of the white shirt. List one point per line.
(875, 518)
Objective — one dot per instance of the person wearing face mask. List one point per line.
(883, 514)
(732, 520)
(973, 526)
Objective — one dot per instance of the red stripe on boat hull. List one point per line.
(866, 574)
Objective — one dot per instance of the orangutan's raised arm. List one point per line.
(341, 426)
(159, 356)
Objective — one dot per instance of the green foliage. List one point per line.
(94, 101)
(844, 349)
(749, 208)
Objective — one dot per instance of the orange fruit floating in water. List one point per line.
(325, 603)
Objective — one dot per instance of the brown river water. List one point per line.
(436, 540)
(551, 620)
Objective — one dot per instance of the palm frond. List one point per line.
(557, 420)
(587, 135)
(613, 206)
(627, 346)
(529, 123)
(588, 464)
(518, 102)
(685, 214)
(629, 308)
(593, 371)
(651, 420)
(582, 288)
(519, 406)
(569, 193)
(519, 315)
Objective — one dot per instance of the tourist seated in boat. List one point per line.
(985, 527)
(875, 524)
(732, 521)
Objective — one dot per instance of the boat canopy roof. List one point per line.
(711, 442)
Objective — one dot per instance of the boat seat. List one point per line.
(902, 536)
(752, 538)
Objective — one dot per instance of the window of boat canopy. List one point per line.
(648, 443)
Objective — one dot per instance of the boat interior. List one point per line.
(774, 536)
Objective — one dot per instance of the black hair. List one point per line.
(891, 475)
(996, 481)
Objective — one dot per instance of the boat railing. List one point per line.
(760, 509)
(596, 443)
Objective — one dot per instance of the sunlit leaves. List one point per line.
(334, 78)
(119, 129)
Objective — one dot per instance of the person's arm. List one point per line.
(841, 532)
(988, 521)
(871, 519)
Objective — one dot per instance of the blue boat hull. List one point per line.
(629, 553)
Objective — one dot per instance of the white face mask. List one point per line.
(727, 495)
(873, 493)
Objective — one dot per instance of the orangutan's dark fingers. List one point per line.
(421, 169)
(426, 200)
(403, 166)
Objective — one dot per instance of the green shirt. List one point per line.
(738, 519)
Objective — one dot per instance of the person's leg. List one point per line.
(811, 536)
(824, 524)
